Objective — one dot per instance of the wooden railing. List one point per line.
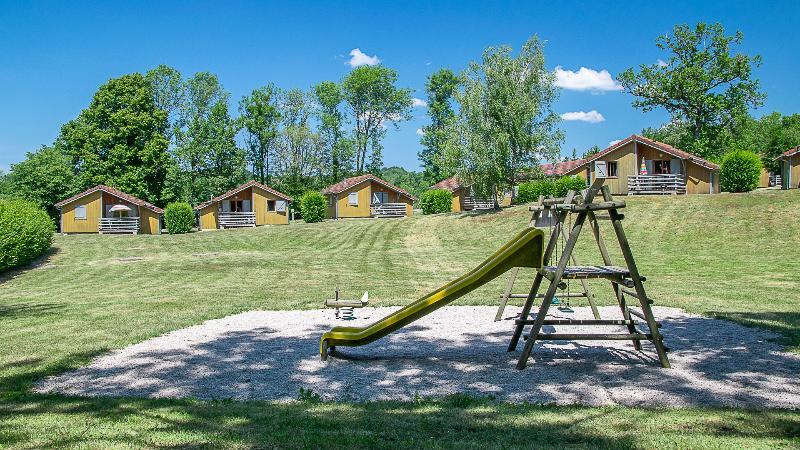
(119, 225)
(237, 219)
(775, 180)
(656, 184)
(388, 210)
(472, 203)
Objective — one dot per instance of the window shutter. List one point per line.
(246, 206)
(80, 212)
(648, 164)
(280, 206)
(352, 199)
(600, 169)
(226, 206)
(675, 166)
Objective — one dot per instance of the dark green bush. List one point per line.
(568, 183)
(740, 171)
(179, 218)
(530, 191)
(436, 201)
(26, 231)
(313, 207)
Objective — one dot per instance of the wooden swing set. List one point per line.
(625, 281)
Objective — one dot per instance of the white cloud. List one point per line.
(586, 80)
(583, 116)
(662, 63)
(359, 58)
(418, 102)
(420, 132)
(614, 142)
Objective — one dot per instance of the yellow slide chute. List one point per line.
(524, 250)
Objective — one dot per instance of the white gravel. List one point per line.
(272, 354)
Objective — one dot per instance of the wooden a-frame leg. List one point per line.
(639, 287)
(506, 294)
(526, 310)
(626, 314)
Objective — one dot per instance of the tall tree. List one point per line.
(168, 92)
(702, 82)
(259, 118)
(226, 166)
(505, 123)
(44, 177)
(338, 149)
(440, 87)
(299, 148)
(374, 101)
(120, 139)
(193, 151)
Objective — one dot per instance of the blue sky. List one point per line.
(54, 55)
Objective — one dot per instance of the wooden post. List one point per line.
(506, 294)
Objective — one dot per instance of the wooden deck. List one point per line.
(477, 203)
(237, 219)
(108, 225)
(656, 184)
(388, 210)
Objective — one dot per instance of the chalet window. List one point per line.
(237, 205)
(380, 197)
(80, 212)
(280, 206)
(611, 167)
(661, 167)
(271, 205)
(352, 199)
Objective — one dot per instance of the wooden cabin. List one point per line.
(248, 205)
(638, 165)
(367, 196)
(462, 196)
(103, 210)
(790, 168)
(563, 168)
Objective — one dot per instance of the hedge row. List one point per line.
(436, 201)
(26, 231)
(530, 191)
(179, 218)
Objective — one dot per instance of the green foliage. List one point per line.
(505, 121)
(259, 116)
(530, 191)
(313, 207)
(768, 136)
(436, 201)
(44, 178)
(441, 86)
(26, 231)
(179, 218)
(414, 182)
(120, 140)
(702, 84)
(308, 396)
(339, 150)
(374, 101)
(740, 171)
(568, 183)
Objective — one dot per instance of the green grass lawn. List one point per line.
(729, 256)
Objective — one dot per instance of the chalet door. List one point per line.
(379, 198)
(246, 206)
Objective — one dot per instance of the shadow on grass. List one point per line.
(40, 262)
(455, 422)
(16, 310)
(787, 323)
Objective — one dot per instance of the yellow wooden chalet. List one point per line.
(103, 209)
(248, 205)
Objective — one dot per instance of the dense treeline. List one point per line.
(167, 138)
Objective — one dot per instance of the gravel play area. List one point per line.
(459, 349)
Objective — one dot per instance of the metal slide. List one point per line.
(524, 250)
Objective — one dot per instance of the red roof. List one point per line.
(117, 193)
(237, 189)
(347, 183)
(560, 168)
(451, 184)
(791, 152)
(657, 145)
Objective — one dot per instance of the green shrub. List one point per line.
(26, 231)
(530, 191)
(740, 171)
(436, 201)
(568, 183)
(179, 218)
(313, 207)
